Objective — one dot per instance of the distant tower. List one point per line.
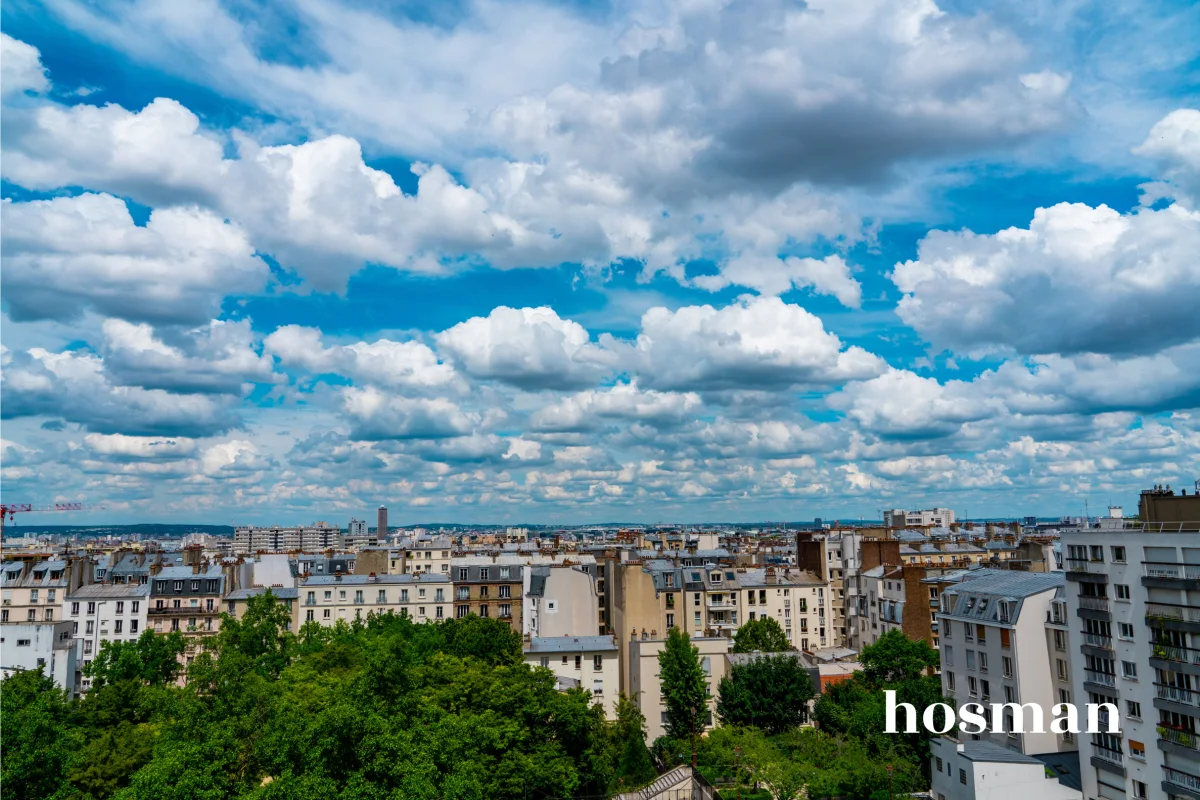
(382, 523)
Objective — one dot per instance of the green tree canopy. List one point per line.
(760, 635)
(684, 685)
(635, 766)
(894, 658)
(769, 692)
(152, 659)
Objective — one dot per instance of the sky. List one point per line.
(581, 262)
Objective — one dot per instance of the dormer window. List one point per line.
(983, 604)
(715, 577)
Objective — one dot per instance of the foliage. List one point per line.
(760, 635)
(684, 686)
(856, 707)
(769, 692)
(383, 707)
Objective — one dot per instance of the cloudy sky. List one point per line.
(675, 261)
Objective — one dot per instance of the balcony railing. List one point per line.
(1084, 565)
(1171, 611)
(1108, 755)
(1094, 603)
(1172, 652)
(1168, 569)
(1098, 640)
(1182, 738)
(1102, 678)
(1181, 778)
(1177, 694)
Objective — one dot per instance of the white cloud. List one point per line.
(1174, 142)
(532, 348)
(1079, 279)
(220, 357)
(21, 67)
(379, 415)
(118, 445)
(69, 254)
(383, 362)
(624, 401)
(755, 342)
(772, 275)
(902, 404)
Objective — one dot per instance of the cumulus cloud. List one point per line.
(902, 404)
(1078, 279)
(120, 446)
(21, 67)
(532, 348)
(220, 357)
(772, 275)
(625, 401)
(379, 415)
(383, 362)
(74, 386)
(1174, 143)
(755, 342)
(71, 254)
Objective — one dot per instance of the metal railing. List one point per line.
(1098, 640)
(1170, 569)
(1173, 652)
(1181, 778)
(1177, 694)
(1182, 738)
(1172, 611)
(1084, 565)
(1114, 756)
(1101, 678)
(1094, 603)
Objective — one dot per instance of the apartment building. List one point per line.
(427, 556)
(318, 537)
(488, 588)
(798, 600)
(187, 599)
(645, 684)
(585, 662)
(48, 645)
(983, 770)
(648, 599)
(1133, 602)
(33, 591)
(561, 601)
(994, 650)
(104, 612)
(328, 599)
(929, 518)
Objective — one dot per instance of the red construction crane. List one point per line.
(8, 509)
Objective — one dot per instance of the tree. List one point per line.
(635, 767)
(153, 659)
(37, 743)
(261, 635)
(760, 635)
(768, 692)
(684, 687)
(894, 658)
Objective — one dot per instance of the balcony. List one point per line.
(1099, 678)
(1111, 756)
(1157, 613)
(1179, 737)
(1167, 569)
(1176, 777)
(1094, 603)
(1172, 652)
(1085, 565)
(721, 603)
(1177, 694)
(1098, 640)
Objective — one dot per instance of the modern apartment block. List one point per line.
(994, 650)
(929, 518)
(1133, 603)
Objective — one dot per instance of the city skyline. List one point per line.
(642, 262)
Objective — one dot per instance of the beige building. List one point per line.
(34, 591)
(584, 662)
(427, 556)
(561, 601)
(326, 599)
(645, 687)
(797, 600)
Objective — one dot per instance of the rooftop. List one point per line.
(570, 644)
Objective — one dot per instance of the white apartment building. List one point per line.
(1133, 603)
(929, 518)
(585, 662)
(427, 556)
(883, 589)
(645, 685)
(994, 650)
(29, 645)
(982, 770)
(561, 601)
(104, 612)
(325, 599)
(314, 538)
(797, 600)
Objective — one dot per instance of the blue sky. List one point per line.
(583, 262)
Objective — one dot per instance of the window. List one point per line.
(1137, 750)
(91, 609)
(969, 630)
(1133, 709)
(133, 626)
(1062, 669)
(939, 765)
(1139, 788)
(1118, 555)
(983, 667)
(504, 572)
(985, 690)
(505, 591)
(1122, 591)
(438, 615)
(962, 776)
(981, 633)
(1129, 670)
(1006, 666)
(483, 573)
(27, 642)
(970, 659)
(1005, 637)
(1125, 630)
(597, 663)
(74, 609)
(670, 621)
(972, 686)
(505, 611)
(948, 655)
(120, 606)
(578, 662)
(91, 627)
(950, 681)
(598, 687)
(1097, 553)
(1010, 695)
